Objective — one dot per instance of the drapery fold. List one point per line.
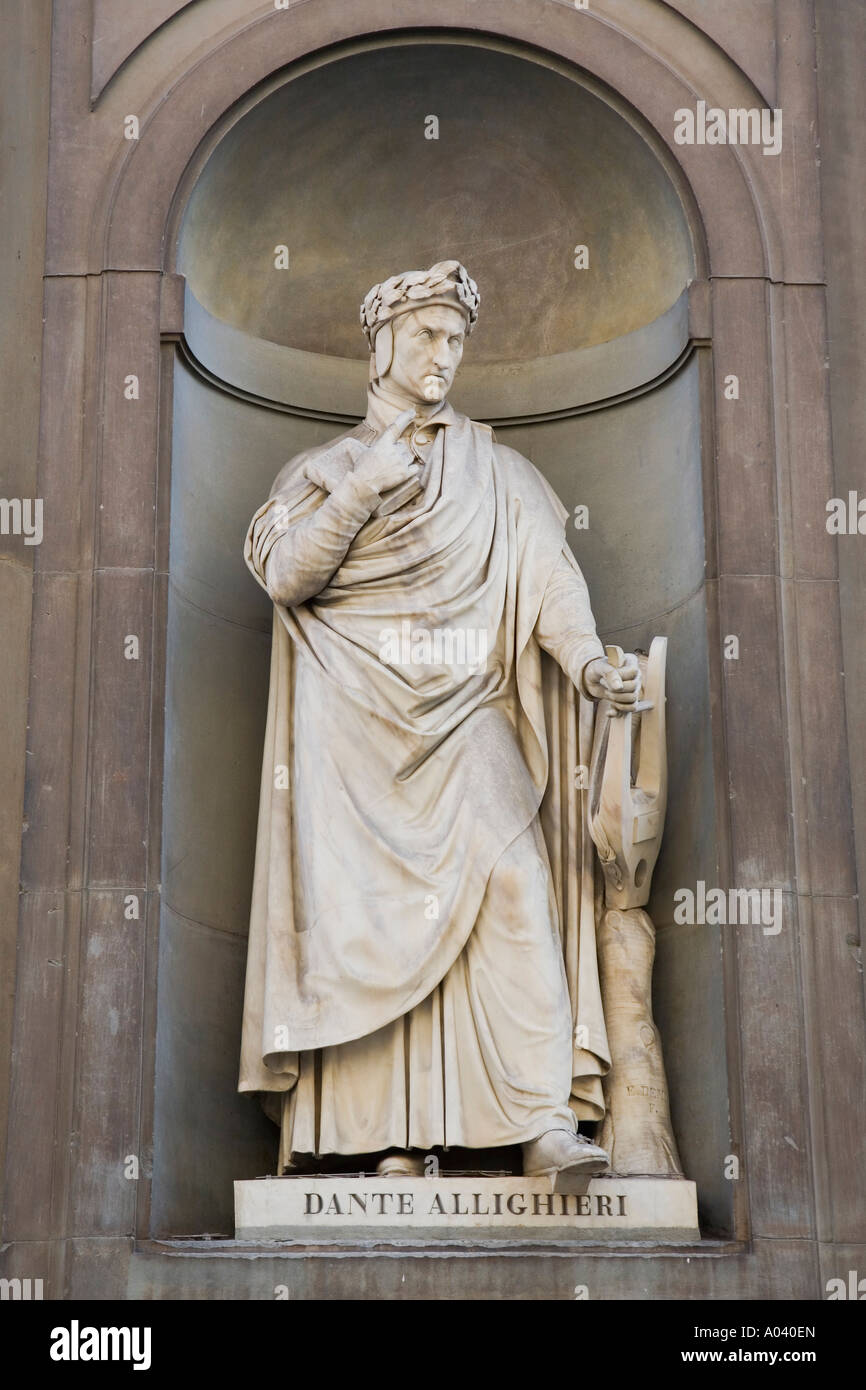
(390, 791)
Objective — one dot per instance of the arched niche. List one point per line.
(594, 374)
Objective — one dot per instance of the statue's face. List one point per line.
(428, 346)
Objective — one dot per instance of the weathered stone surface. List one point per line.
(833, 989)
(117, 32)
(746, 29)
(841, 39)
(105, 1148)
(313, 1210)
(44, 923)
(205, 1133)
(489, 149)
(130, 408)
(776, 1269)
(794, 1019)
(775, 1143)
(24, 103)
(120, 727)
(745, 478)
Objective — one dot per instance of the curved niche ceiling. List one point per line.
(527, 166)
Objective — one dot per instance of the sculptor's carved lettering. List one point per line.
(553, 1205)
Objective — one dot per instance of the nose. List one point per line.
(442, 356)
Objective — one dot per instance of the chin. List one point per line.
(433, 390)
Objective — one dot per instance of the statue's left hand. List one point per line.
(619, 684)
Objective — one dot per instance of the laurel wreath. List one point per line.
(446, 277)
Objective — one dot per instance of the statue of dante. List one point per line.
(422, 958)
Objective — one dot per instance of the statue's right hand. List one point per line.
(388, 462)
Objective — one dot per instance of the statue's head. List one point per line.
(416, 324)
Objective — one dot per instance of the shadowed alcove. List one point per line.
(590, 372)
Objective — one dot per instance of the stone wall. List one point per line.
(98, 951)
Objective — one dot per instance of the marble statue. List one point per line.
(627, 796)
(422, 968)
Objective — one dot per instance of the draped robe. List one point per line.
(392, 788)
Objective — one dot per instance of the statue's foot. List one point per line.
(401, 1165)
(561, 1151)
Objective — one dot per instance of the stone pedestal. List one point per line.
(320, 1209)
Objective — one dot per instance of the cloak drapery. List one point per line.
(391, 785)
